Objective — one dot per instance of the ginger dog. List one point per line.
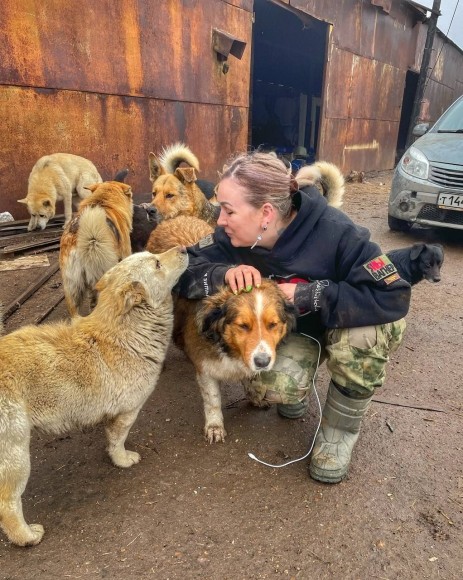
(175, 189)
(95, 240)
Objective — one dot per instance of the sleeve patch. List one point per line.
(392, 278)
(380, 268)
(207, 241)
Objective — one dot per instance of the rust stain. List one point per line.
(20, 43)
(132, 53)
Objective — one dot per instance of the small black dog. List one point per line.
(145, 219)
(418, 262)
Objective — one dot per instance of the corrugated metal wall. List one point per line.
(115, 79)
(371, 47)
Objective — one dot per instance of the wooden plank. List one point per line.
(24, 263)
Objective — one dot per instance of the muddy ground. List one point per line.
(194, 510)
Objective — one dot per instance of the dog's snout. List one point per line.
(262, 360)
(152, 211)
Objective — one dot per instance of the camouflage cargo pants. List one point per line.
(356, 359)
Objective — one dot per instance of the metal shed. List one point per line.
(116, 79)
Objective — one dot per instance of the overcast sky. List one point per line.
(447, 8)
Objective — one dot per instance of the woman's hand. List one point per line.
(242, 278)
(288, 290)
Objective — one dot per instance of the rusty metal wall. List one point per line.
(371, 46)
(445, 82)
(115, 79)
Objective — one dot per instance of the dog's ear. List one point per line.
(155, 167)
(416, 250)
(23, 200)
(133, 293)
(92, 187)
(126, 189)
(126, 297)
(185, 174)
(211, 320)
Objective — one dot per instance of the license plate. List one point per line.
(450, 200)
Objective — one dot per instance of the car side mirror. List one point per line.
(420, 129)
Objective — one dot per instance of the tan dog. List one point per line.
(179, 231)
(229, 338)
(328, 176)
(175, 191)
(67, 376)
(57, 177)
(95, 240)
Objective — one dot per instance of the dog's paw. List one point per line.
(32, 536)
(125, 458)
(215, 433)
(37, 533)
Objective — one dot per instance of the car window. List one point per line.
(452, 120)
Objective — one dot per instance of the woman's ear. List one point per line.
(268, 212)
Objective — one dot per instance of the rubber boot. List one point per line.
(293, 410)
(339, 431)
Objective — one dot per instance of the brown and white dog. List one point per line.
(70, 375)
(175, 188)
(57, 177)
(95, 240)
(231, 337)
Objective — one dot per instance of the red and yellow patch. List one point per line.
(381, 268)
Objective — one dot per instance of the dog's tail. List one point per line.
(328, 176)
(96, 243)
(172, 156)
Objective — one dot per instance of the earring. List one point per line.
(259, 237)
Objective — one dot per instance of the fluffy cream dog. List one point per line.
(102, 367)
(57, 177)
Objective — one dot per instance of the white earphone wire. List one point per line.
(252, 456)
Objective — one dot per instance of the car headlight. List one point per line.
(415, 163)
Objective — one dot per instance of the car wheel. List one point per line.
(398, 225)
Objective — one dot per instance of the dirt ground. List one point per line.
(194, 510)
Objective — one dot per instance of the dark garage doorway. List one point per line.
(411, 82)
(289, 55)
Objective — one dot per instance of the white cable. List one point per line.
(252, 456)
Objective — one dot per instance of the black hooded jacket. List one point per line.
(359, 285)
